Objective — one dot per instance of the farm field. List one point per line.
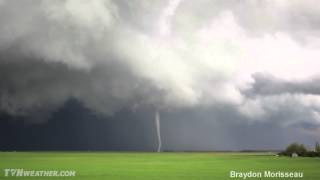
(155, 166)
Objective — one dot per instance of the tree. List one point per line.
(295, 148)
(317, 147)
(302, 150)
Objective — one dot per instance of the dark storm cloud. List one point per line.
(307, 126)
(99, 56)
(235, 59)
(73, 127)
(32, 87)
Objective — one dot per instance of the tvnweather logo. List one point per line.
(28, 173)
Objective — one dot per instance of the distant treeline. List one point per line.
(301, 150)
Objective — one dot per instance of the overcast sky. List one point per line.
(222, 74)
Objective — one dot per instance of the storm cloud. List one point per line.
(257, 61)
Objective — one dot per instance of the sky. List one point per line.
(223, 75)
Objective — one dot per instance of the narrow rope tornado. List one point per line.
(157, 122)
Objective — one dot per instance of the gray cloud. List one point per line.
(265, 84)
(223, 74)
(96, 53)
(30, 86)
(287, 103)
(169, 55)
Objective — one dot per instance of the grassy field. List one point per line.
(149, 166)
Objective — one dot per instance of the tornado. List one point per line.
(157, 122)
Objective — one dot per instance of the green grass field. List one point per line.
(149, 166)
